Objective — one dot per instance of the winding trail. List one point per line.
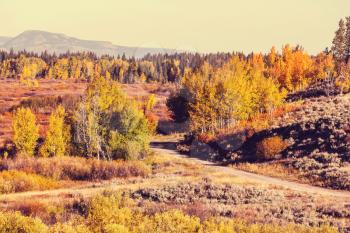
(259, 178)
(94, 188)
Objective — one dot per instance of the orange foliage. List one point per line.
(294, 69)
(268, 148)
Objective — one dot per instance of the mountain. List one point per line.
(4, 39)
(40, 41)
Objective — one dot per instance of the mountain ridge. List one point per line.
(39, 41)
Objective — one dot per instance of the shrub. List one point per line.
(69, 228)
(152, 122)
(16, 223)
(16, 181)
(110, 215)
(76, 168)
(49, 103)
(175, 221)
(205, 137)
(115, 228)
(269, 148)
(30, 207)
(26, 132)
(105, 210)
(216, 225)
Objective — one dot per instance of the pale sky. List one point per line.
(197, 25)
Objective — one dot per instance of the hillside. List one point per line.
(4, 39)
(309, 144)
(40, 41)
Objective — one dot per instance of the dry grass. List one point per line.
(273, 169)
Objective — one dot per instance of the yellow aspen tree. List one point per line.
(150, 103)
(57, 136)
(26, 131)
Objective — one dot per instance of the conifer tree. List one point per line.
(347, 39)
(339, 44)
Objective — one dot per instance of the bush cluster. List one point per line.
(76, 168)
(270, 148)
(18, 181)
(325, 169)
(43, 104)
(115, 214)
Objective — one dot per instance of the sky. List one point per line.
(196, 25)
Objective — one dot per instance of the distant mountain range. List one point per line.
(40, 41)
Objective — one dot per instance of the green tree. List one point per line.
(26, 131)
(109, 125)
(339, 44)
(347, 37)
(58, 135)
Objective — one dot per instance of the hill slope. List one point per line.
(4, 39)
(40, 41)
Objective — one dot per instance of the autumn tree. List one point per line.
(323, 66)
(26, 131)
(218, 98)
(109, 125)
(58, 135)
(150, 103)
(294, 69)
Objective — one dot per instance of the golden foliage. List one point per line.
(237, 91)
(26, 131)
(114, 213)
(270, 147)
(58, 135)
(294, 69)
(17, 181)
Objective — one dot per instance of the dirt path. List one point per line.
(94, 188)
(260, 178)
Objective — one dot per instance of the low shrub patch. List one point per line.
(76, 168)
(269, 148)
(18, 181)
(115, 213)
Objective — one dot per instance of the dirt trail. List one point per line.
(94, 188)
(261, 178)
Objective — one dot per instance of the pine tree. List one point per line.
(26, 131)
(57, 136)
(347, 39)
(339, 44)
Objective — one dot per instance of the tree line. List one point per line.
(29, 67)
(216, 97)
(293, 68)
